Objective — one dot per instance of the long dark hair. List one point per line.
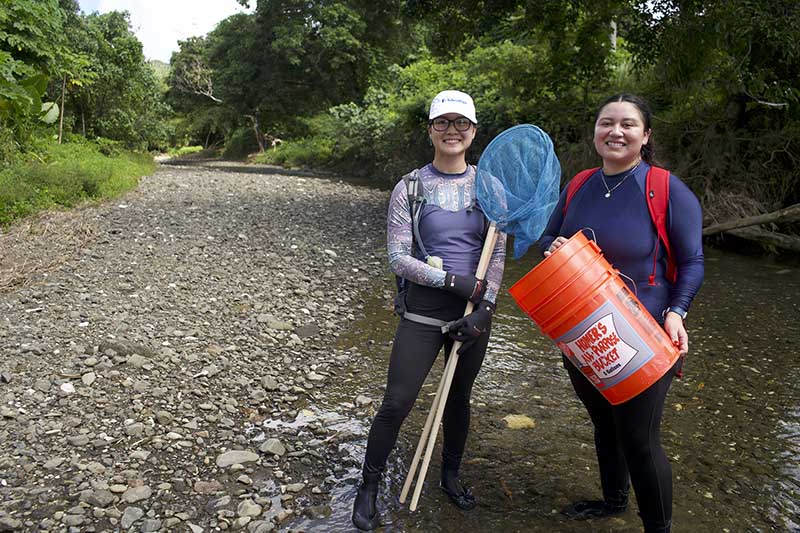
(648, 152)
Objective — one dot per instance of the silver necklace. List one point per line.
(612, 189)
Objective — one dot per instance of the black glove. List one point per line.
(466, 286)
(471, 327)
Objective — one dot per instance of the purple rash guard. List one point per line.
(451, 227)
(627, 237)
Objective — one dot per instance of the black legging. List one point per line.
(628, 443)
(413, 353)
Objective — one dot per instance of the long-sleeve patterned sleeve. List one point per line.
(399, 238)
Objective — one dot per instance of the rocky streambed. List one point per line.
(163, 356)
(205, 354)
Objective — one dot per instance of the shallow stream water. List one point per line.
(731, 426)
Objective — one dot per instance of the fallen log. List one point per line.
(763, 237)
(787, 214)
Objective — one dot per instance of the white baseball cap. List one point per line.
(452, 102)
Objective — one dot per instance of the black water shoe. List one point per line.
(585, 509)
(365, 512)
(460, 495)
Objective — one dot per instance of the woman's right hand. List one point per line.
(555, 245)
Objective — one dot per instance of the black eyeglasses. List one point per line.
(441, 124)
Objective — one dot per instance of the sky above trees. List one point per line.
(160, 24)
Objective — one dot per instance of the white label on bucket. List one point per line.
(601, 347)
(605, 347)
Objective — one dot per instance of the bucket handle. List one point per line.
(594, 237)
(635, 289)
(633, 283)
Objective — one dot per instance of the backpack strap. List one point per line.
(411, 181)
(415, 203)
(575, 184)
(657, 195)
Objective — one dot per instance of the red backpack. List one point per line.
(657, 187)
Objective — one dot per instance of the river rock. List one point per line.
(269, 383)
(130, 516)
(135, 494)
(363, 401)
(161, 341)
(136, 360)
(236, 457)
(518, 422)
(8, 523)
(248, 508)
(149, 525)
(295, 487)
(272, 447)
(207, 487)
(101, 498)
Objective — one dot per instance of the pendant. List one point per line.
(608, 194)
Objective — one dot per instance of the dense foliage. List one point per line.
(63, 71)
(72, 173)
(343, 84)
(75, 93)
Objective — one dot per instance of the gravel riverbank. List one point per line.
(157, 352)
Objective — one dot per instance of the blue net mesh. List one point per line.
(517, 181)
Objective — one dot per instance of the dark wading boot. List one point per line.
(585, 509)
(657, 527)
(365, 512)
(460, 495)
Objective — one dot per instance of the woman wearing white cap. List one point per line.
(435, 249)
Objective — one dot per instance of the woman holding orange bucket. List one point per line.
(612, 201)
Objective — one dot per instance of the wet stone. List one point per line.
(262, 527)
(318, 512)
(248, 508)
(295, 487)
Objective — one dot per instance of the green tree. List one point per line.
(31, 43)
(124, 100)
(204, 118)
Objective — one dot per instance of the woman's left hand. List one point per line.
(673, 325)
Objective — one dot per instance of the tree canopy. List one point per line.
(345, 83)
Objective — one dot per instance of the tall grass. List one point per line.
(67, 175)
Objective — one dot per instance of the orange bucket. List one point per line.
(578, 300)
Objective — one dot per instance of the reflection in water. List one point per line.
(731, 425)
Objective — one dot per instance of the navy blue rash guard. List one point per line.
(627, 237)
